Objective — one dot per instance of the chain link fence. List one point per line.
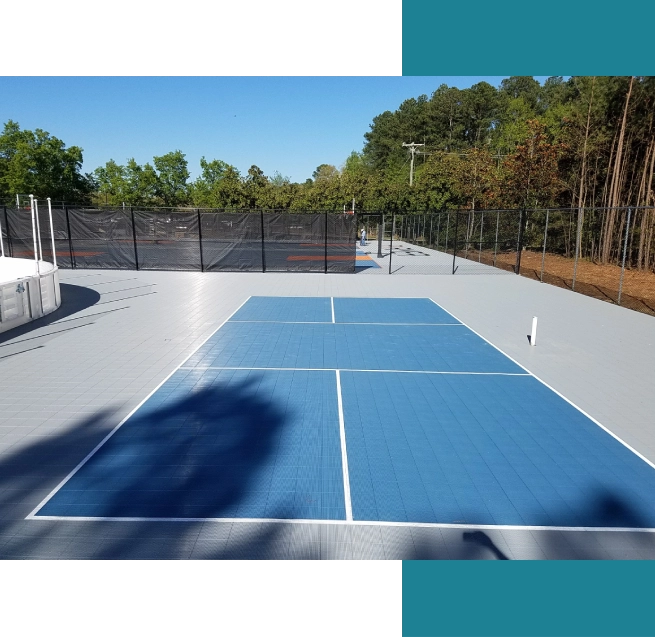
(195, 240)
(607, 253)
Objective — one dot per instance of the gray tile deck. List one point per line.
(67, 380)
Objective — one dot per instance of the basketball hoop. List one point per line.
(23, 202)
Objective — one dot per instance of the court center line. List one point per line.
(334, 369)
(332, 305)
(344, 453)
(32, 515)
(543, 382)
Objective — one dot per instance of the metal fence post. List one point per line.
(70, 239)
(326, 240)
(625, 246)
(455, 244)
(380, 236)
(438, 228)
(519, 242)
(261, 214)
(447, 229)
(481, 226)
(430, 235)
(543, 254)
(202, 263)
(10, 249)
(136, 254)
(393, 229)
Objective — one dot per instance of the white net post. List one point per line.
(52, 234)
(38, 229)
(36, 254)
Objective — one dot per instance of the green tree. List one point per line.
(35, 162)
(480, 113)
(512, 126)
(434, 187)
(384, 142)
(555, 91)
(446, 121)
(111, 180)
(132, 184)
(204, 190)
(229, 192)
(142, 184)
(172, 176)
(213, 171)
(279, 180)
(324, 172)
(526, 88)
(255, 186)
(355, 164)
(532, 171)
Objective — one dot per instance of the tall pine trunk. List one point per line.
(615, 185)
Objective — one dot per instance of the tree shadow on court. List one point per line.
(207, 455)
(455, 544)
(606, 508)
(74, 299)
(481, 539)
(202, 456)
(29, 471)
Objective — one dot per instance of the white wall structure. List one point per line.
(29, 288)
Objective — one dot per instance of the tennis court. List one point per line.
(375, 410)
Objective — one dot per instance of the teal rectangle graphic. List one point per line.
(519, 38)
(528, 599)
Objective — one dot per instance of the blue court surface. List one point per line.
(363, 260)
(377, 410)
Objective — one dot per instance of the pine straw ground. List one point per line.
(592, 279)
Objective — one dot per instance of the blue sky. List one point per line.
(284, 124)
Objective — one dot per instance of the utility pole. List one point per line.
(412, 149)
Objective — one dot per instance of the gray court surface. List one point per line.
(70, 378)
(409, 258)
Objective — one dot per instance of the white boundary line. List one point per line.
(349, 520)
(367, 371)
(426, 525)
(332, 306)
(43, 502)
(543, 382)
(352, 323)
(344, 453)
